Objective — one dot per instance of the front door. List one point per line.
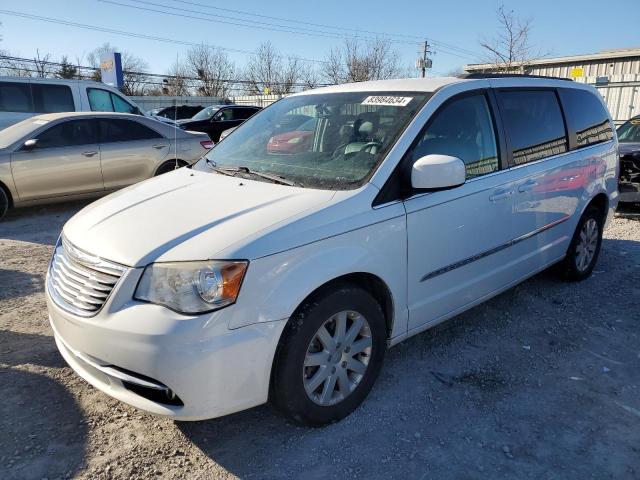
(64, 161)
(458, 238)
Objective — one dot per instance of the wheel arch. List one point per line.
(601, 202)
(171, 160)
(7, 191)
(369, 282)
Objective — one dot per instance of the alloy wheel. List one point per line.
(337, 358)
(587, 244)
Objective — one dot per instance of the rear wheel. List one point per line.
(330, 356)
(584, 249)
(170, 166)
(4, 203)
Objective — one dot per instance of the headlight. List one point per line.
(192, 287)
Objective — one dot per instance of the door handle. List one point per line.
(526, 186)
(90, 153)
(158, 147)
(500, 194)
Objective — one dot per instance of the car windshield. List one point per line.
(629, 131)
(15, 132)
(330, 141)
(205, 113)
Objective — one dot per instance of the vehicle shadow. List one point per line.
(19, 284)
(28, 348)
(42, 429)
(41, 224)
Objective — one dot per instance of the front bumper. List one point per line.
(213, 370)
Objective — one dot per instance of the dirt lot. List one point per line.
(540, 382)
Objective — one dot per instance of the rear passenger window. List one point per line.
(15, 97)
(463, 128)
(52, 98)
(534, 124)
(587, 116)
(120, 130)
(67, 134)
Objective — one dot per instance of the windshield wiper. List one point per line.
(232, 171)
(267, 176)
(222, 171)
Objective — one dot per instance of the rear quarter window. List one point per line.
(533, 123)
(586, 117)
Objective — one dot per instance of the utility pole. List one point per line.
(424, 62)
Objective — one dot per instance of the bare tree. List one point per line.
(177, 82)
(42, 65)
(134, 69)
(510, 50)
(269, 71)
(213, 69)
(357, 62)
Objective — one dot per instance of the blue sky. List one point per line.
(561, 27)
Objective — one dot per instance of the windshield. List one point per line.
(630, 131)
(330, 141)
(15, 132)
(205, 113)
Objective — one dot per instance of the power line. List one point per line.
(446, 48)
(414, 38)
(136, 35)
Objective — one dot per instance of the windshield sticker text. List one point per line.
(387, 100)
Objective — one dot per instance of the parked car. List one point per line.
(288, 276)
(61, 156)
(178, 112)
(24, 97)
(298, 140)
(215, 119)
(629, 148)
(226, 133)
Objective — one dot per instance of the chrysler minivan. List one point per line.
(263, 276)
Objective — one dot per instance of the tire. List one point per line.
(4, 203)
(584, 248)
(169, 166)
(291, 379)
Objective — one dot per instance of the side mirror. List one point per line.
(437, 171)
(31, 143)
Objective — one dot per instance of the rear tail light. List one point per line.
(207, 144)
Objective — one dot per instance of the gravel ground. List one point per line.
(540, 382)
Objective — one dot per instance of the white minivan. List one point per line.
(284, 274)
(24, 97)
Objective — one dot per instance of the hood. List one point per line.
(185, 215)
(625, 148)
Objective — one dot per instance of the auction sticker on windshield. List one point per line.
(387, 100)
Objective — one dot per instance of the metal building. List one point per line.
(615, 73)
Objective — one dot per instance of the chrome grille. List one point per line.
(79, 282)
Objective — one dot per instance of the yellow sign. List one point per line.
(577, 72)
(266, 90)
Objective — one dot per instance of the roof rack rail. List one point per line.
(509, 75)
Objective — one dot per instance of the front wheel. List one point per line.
(330, 356)
(585, 246)
(4, 203)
